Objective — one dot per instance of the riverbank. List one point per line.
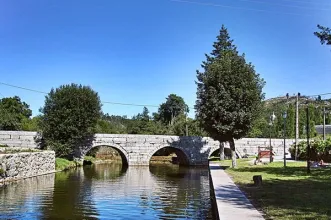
(62, 164)
(286, 193)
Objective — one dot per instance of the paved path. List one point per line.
(231, 202)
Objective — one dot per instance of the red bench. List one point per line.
(264, 154)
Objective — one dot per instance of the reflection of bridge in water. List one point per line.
(114, 190)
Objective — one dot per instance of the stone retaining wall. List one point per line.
(26, 164)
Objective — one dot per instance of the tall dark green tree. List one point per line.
(145, 114)
(13, 111)
(70, 116)
(324, 34)
(229, 93)
(172, 108)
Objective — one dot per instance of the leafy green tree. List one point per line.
(324, 34)
(179, 127)
(172, 108)
(194, 128)
(113, 124)
(145, 114)
(12, 113)
(260, 128)
(32, 124)
(229, 94)
(143, 124)
(290, 122)
(70, 116)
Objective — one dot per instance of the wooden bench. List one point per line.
(264, 154)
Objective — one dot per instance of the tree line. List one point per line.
(170, 119)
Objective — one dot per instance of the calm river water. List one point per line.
(110, 191)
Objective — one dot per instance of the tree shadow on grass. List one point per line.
(304, 197)
(286, 172)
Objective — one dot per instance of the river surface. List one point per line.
(110, 191)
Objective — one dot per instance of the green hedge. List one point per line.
(319, 150)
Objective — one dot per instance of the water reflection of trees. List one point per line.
(108, 189)
(73, 191)
(71, 197)
(181, 192)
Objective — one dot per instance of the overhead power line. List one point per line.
(283, 5)
(235, 7)
(19, 87)
(306, 2)
(118, 103)
(104, 102)
(323, 94)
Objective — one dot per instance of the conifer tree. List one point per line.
(229, 93)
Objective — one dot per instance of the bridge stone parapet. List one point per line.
(25, 139)
(138, 149)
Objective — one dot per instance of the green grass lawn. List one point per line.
(286, 193)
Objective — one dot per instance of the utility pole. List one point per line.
(308, 144)
(324, 136)
(285, 116)
(186, 126)
(297, 126)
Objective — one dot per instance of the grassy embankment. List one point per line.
(64, 164)
(286, 193)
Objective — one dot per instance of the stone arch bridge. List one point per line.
(138, 149)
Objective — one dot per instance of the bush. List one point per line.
(319, 150)
(69, 120)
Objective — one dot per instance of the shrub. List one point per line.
(319, 150)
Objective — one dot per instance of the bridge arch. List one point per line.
(122, 152)
(182, 157)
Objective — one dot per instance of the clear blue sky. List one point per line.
(139, 51)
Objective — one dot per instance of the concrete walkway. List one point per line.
(231, 202)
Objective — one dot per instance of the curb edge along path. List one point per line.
(231, 202)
